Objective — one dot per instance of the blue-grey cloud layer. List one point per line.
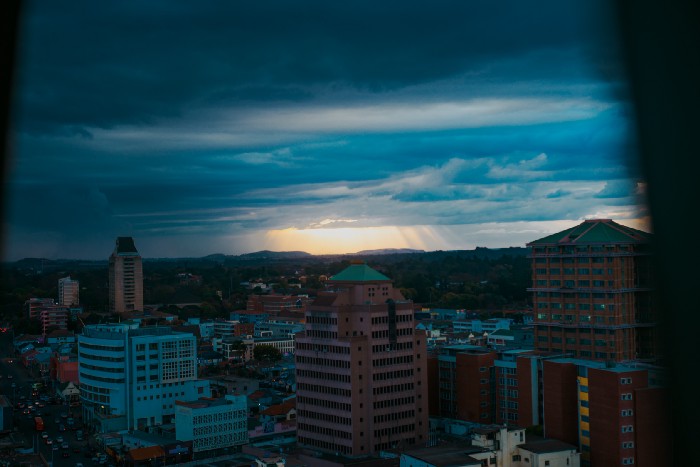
(186, 124)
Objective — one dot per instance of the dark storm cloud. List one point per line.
(87, 64)
(199, 124)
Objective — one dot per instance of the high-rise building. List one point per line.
(68, 291)
(130, 377)
(125, 277)
(361, 368)
(592, 293)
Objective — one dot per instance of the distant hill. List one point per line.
(387, 251)
(267, 254)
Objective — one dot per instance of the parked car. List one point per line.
(44, 435)
(59, 439)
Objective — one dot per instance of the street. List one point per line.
(16, 383)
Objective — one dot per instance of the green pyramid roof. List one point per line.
(359, 273)
(596, 231)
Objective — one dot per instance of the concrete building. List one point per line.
(230, 328)
(466, 383)
(54, 317)
(616, 414)
(495, 445)
(212, 423)
(286, 346)
(592, 293)
(33, 306)
(125, 277)
(361, 368)
(130, 377)
(68, 292)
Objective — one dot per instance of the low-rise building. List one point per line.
(212, 423)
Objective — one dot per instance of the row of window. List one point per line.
(394, 416)
(322, 389)
(579, 271)
(327, 362)
(601, 331)
(385, 319)
(158, 396)
(394, 430)
(324, 403)
(570, 260)
(89, 377)
(385, 334)
(103, 348)
(511, 393)
(508, 382)
(573, 341)
(343, 378)
(572, 306)
(391, 347)
(315, 319)
(343, 350)
(393, 360)
(392, 375)
(399, 401)
(393, 388)
(326, 417)
(581, 319)
(324, 431)
(505, 404)
(322, 334)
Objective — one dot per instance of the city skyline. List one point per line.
(230, 129)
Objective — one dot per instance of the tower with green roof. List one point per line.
(361, 368)
(592, 293)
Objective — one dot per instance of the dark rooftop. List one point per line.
(595, 231)
(125, 245)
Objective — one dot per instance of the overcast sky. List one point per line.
(329, 127)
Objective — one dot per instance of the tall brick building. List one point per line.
(361, 368)
(592, 293)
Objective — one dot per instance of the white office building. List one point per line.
(212, 423)
(130, 377)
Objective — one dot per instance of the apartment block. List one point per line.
(616, 414)
(592, 293)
